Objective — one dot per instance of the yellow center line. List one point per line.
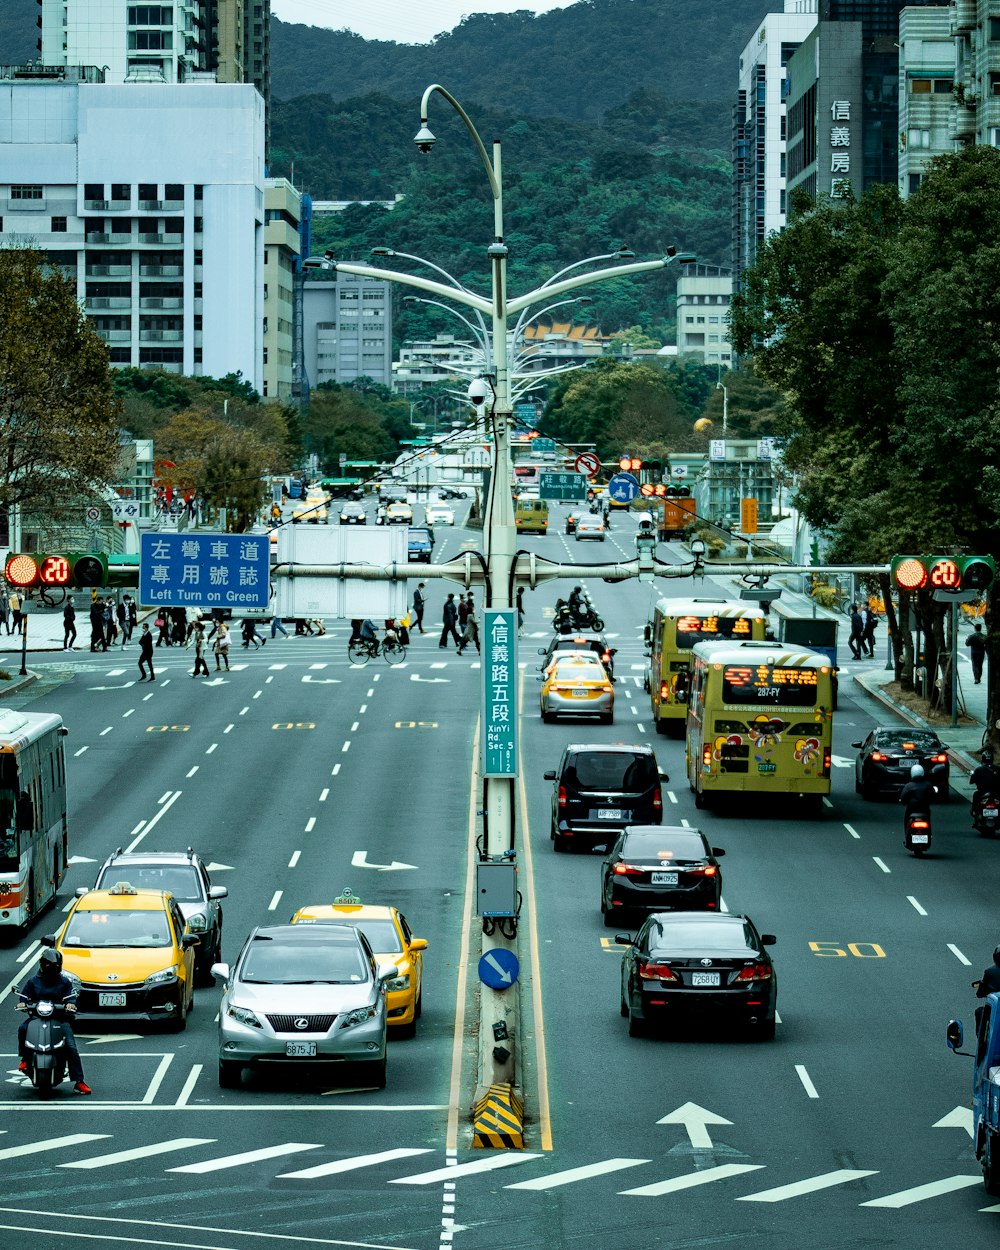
(541, 1057)
(458, 1040)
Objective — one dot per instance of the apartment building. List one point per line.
(927, 105)
(976, 25)
(347, 330)
(282, 214)
(704, 294)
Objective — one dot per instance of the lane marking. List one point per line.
(959, 956)
(671, 796)
(641, 727)
(885, 867)
(811, 1186)
(244, 710)
(212, 748)
(295, 859)
(163, 797)
(162, 812)
(490, 1164)
(275, 900)
(105, 731)
(578, 1174)
(370, 693)
(161, 1071)
(826, 802)
(140, 1152)
(258, 693)
(920, 1193)
(362, 709)
(147, 697)
(691, 1179)
(310, 824)
(807, 1084)
(853, 832)
(336, 770)
(346, 746)
(191, 772)
(80, 752)
(355, 727)
(51, 1143)
(188, 1087)
(126, 715)
(248, 1156)
(323, 794)
(228, 729)
(915, 905)
(337, 1166)
(26, 954)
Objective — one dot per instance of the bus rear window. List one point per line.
(766, 684)
(692, 629)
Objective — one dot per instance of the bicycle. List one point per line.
(361, 650)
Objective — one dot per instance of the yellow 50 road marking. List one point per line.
(295, 724)
(416, 724)
(163, 729)
(860, 950)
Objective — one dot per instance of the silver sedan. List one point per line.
(305, 996)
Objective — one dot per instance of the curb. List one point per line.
(19, 683)
(961, 759)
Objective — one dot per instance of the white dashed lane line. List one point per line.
(228, 729)
(323, 794)
(191, 772)
(915, 905)
(258, 693)
(244, 710)
(885, 867)
(275, 900)
(346, 746)
(212, 748)
(335, 770)
(355, 727)
(807, 1084)
(126, 715)
(310, 824)
(295, 859)
(106, 731)
(853, 832)
(959, 956)
(80, 752)
(147, 697)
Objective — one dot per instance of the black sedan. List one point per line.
(660, 867)
(707, 965)
(887, 755)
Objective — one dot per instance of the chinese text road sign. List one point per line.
(499, 692)
(569, 486)
(205, 571)
(748, 515)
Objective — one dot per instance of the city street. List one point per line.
(296, 775)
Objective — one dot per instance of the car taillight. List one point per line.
(756, 972)
(605, 656)
(605, 689)
(627, 870)
(920, 824)
(562, 796)
(826, 761)
(664, 690)
(939, 759)
(709, 870)
(657, 972)
(657, 800)
(706, 756)
(877, 755)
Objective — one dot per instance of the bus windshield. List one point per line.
(744, 684)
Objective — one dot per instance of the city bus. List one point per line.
(759, 721)
(531, 516)
(33, 830)
(676, 626)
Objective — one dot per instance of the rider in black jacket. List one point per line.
(52, 985)
(918, 793)
(986, 779)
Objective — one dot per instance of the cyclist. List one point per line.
(368, 633)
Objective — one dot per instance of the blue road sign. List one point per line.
(205, 571)
(570, 487)
(499, 969)
(623, 488)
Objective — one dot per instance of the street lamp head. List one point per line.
(687, 258)
(319, 262)
(625, 253)
(424, 139)
(383, 251)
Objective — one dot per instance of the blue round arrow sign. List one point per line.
(623, 487)
(498, 969)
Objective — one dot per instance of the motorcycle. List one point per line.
(986, 816)
(584, 620)
(45, 1046)
(917, 832)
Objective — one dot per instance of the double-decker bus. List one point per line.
(759, 721)
(676, 626)
(33, 831)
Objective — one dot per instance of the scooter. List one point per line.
(45, 1046)
(986, 816)
(917, 832)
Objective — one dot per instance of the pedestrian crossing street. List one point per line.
(94, 1152)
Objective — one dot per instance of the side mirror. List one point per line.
(218, 891)
(856, 745)
(189, 939)
(81, 890)
(623, 939)
(664, 776)
(718, 852)
(220, 972)
(418, 944)
(542, 651)
(647, 634)
(49, 939)
(954, 1034)
(767, 939)
(386, 972)
(550, 776)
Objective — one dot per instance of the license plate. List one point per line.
(609, 813)
(579, 694)
(300, 1050)
(111, 1000)
(704, 978)
(664, 878)
(919, 839)
(991, 813)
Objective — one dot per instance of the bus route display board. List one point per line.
(769, 683)
(692, 629)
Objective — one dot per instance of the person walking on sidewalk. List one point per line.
(69, 625)
(146, 654)
(857, 632)
(868, 633)
(419, 603)
(471, 631)
(222, 641)
(199, 650)
(449, 616)
(14, 603)
(976, 642)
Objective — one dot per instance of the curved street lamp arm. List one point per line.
(480, 333)
(584, 279)
(522, 322)
(468, 298)
(494, 184)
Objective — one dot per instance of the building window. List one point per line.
(150, 15)
(120, 355)
(198, 355)
(199, 225)
(150, 40)
(173, 191)
(917, 138)
(121, 191)
(198, 256)
(943, 86)
(197, 290)
(91, 190)
(199, 192)
(994, 29)
(994, 83)
(26, 193)
(914, 182)
(58, 225)
(265, 388)
(147, 191)
(265, 355)
(920, 86)
(198, 321)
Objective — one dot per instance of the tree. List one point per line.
(58, 411)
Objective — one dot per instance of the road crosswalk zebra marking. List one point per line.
(488, 1164)
(247, 1156)
(140, 1152)
(554, 1179)
(810, 1186)
(336, 1166)
(920, 1193)
(676, 1183)
(50, 1143)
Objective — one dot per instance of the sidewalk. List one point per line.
(45, 629)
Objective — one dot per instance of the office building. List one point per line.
(704, 293)
(282, 213)
(825, 112)
(976, 117)
(443, 359)
(926, 93)
(129, 42)
(164, 236)
(347, 330)
(759, 203)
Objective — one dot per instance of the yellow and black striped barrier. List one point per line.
(499, 1119)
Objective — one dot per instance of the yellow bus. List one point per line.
(531, 516)
(760, 721)
(676, 626)
(33, 832)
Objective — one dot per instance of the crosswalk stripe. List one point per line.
(571, 1175)
(317, 666)
(353, 1164)
(140, 1152)
(274, 668)
(677, 1183)
(465, 1169)
(248, 1156)
(815, 1183)
(50, 1143)
(114, 672)
(920, 1193)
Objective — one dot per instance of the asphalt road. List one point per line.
(297, 775)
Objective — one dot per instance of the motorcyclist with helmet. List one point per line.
(50, 984)
(986, 779)
(918, 793)
(577, 603)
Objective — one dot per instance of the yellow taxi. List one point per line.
(399, 513)
(576, 684)
(132, 954)
(392, 941)
(311, 509)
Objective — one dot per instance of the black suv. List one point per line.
(182, 874)
(600, 789)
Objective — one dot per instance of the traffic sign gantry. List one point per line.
(623, 488)
(588, 463)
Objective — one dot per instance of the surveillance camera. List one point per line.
(478, 391)
(424, 139)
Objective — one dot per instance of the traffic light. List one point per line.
(960, 573)
(72, 568)
(630, 464)
(677, 492)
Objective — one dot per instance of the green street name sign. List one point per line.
(565, 486)
(499, 692)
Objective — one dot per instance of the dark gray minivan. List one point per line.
(599, 789)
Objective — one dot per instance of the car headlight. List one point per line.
(198, 923)
(399, 983)
(243, 1015)
(358, 1016)
(164, 977)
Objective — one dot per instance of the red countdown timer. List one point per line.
(946, 575)
(55, 571)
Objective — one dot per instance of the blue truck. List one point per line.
(985, 1086)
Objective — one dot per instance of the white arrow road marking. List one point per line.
(248, 1156)
(214, 867)
(961, 1117)
(696, 1120)
(98, 1039)
(498, 968)
(839, 761)
(124, 686)
(920, 1193)
(322, 681)
(216, 681)
(488, 1164)
(16, 1078)
(140, 1152)
(358, 1161)
(815, 1183)
(431, 681)
(691, 1179)
(360, 860)
(50, 1143)
(80, 859)
(578, 1174)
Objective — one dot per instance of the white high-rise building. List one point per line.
(129, 41)
(152, 197)
(926, 92)
(759, 122)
